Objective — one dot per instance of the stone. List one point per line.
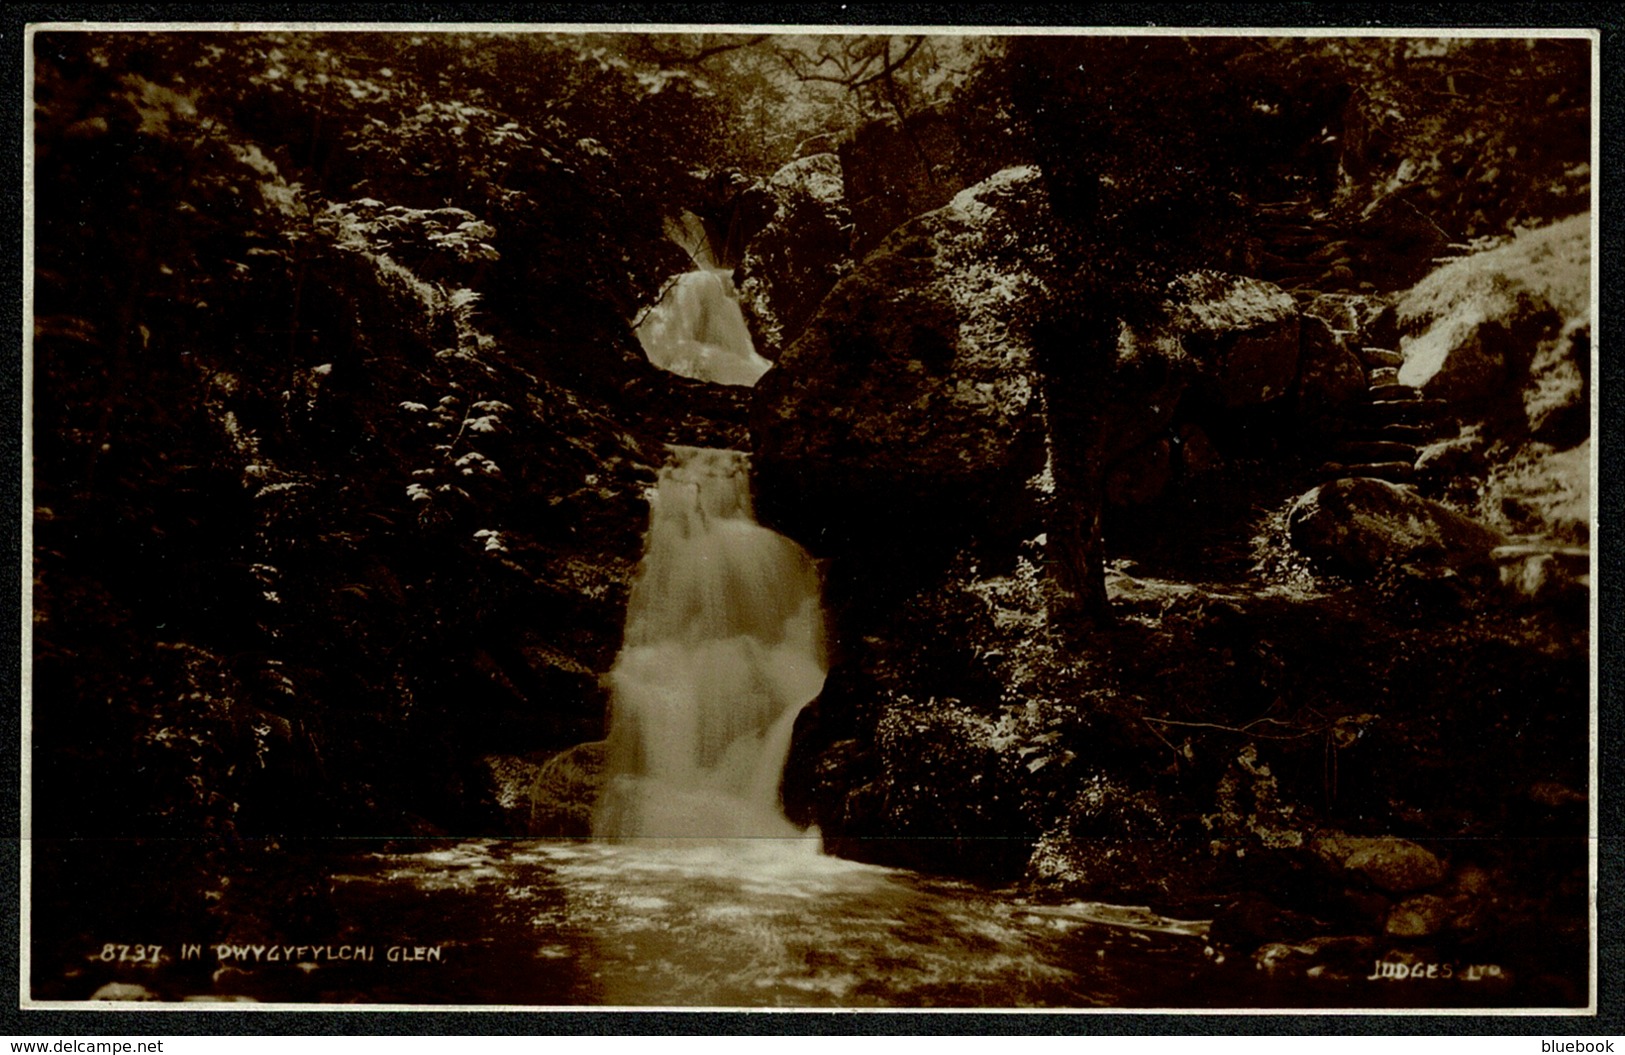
(1419, 917)
(1459, 457)
(565, 791)
(910, 396)
(1472, 327)
(1395, 865)
(1357, 526)
(1252, 919)
(1329, 375)
(799, 255)
(1241, 333)
(1376, 451)
(1331, 958)
(1557, 399)
(124, 991)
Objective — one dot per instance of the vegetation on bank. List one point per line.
(341, 440)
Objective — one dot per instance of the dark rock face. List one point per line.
(906, 409)
(1330, 375)
(563, 791)
(1396, 242)
(795, 259)
(1356, 526)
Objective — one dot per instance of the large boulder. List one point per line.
(564, 790)
(799, 255)
(1473, 327)
(1357, 526)
(907, 407)
(1242, 333)
(1330, 375)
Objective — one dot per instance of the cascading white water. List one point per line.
(697, 329)
(724, 646)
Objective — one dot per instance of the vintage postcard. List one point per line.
(739, 517)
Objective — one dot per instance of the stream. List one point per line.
(747, 923)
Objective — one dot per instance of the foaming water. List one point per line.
(756, 923)
(724, 646)
(697, 330)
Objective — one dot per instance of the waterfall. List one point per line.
(724, 646)
(697, 329)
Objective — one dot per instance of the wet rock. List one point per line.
(1419, 917)
(1242, 334)
(1356, 526)
(1397, 866)
(510, 778)
(798, 256)
(1329, 374)
(1253, 919)
(565, 790)
(908, 405)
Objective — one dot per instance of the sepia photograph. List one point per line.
(629, 517)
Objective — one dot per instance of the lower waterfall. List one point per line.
(724, 646)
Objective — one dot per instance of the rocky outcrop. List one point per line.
(907, 409)
(1330, 374)
(1397, 866)
(1472, 328)
(1358, 525)
(563, 792)
(1241, 333)
(1503, 340)
(798, 256)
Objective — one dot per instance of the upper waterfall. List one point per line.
(697, 329)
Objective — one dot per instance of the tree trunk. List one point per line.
(1075, 357)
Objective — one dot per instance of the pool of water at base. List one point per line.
(751, 923)
(743, 924)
